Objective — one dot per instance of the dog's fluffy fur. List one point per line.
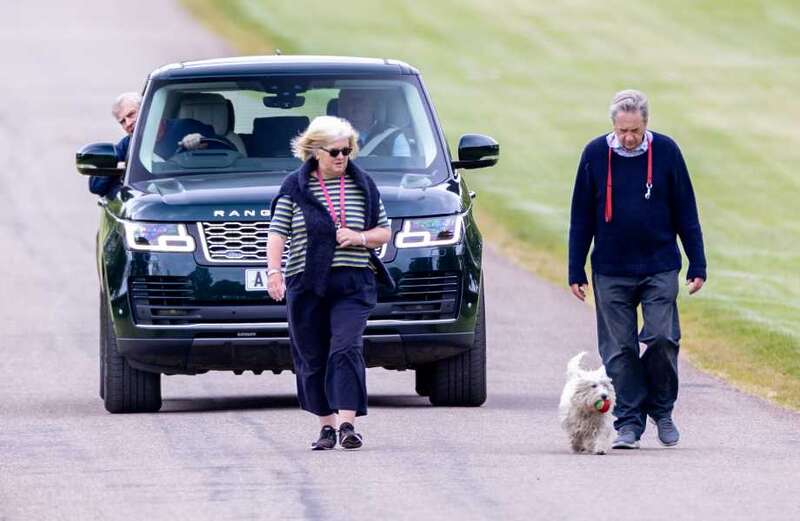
(588, 429)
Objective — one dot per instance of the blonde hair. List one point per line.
(323, 131)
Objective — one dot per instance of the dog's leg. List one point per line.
(577, 443)
(602, 443)
(590, 444)
(599, 447)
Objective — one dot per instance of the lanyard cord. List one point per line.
(648, 185)
(331, 210)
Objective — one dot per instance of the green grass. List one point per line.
(722, 78)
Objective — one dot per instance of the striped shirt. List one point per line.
(288, 221)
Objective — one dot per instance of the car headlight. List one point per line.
(431, 231)
(158, 237)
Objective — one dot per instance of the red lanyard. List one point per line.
(342, 220)
(648, 185)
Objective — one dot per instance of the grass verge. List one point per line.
(721, 78)
(750, 357)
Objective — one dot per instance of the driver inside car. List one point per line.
(183, 134)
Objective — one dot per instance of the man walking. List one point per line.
(633, 198)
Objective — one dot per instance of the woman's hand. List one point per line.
(276, 286)
(374, 238)
(347, 237)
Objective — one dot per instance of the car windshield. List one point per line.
(247, 124)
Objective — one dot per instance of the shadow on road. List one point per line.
(287, 401)
(228, 403)
(523, 402)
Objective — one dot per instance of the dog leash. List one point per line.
(648, 185)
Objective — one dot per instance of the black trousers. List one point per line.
(326, 338)
(646, 384)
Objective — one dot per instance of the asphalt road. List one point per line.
(235, 447)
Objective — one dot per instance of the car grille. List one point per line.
(167, 300)
(423, 296)
(241, 242)
(162, 300)
(236, 242)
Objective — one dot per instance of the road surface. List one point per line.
(235, 447)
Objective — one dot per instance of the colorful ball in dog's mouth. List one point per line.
(602, 406)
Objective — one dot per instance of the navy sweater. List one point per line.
(641, 238)
(320, 229)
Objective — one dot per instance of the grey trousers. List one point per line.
(646, 384)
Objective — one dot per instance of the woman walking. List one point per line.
(331, 212)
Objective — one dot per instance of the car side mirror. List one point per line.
(476, 151)
(98, 159)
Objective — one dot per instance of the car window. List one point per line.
(248, 124)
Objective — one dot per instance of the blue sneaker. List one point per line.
(626, 438)
(668, 434)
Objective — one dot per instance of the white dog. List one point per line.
(586, 402)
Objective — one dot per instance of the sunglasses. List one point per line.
(334, 152)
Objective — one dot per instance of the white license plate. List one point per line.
(255, 280)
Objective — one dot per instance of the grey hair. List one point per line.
(323, 131)
(134, 98)
(629, 100)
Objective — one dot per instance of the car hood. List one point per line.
(247, 197)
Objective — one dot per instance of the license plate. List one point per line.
(255, 280)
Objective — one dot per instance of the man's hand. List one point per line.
(694, 285)
(579, 290)
(276, 287)
(347, 237)
(192, 141)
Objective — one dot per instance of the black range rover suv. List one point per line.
(181, 246)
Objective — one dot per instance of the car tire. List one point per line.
(125, 388)
(423, 379)
(461, 380)
(101, 342)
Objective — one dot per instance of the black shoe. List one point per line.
(327, 439)
(349, 439)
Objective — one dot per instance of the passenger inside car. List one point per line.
(368, 114)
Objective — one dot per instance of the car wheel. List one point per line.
(125, 388)
(101, 342)
(461, 380)
(423, 379)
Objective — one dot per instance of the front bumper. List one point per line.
(229, 328)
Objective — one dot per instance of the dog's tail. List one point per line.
(574, 365)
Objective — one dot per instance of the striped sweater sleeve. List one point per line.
(383, 220)
(281, 222)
